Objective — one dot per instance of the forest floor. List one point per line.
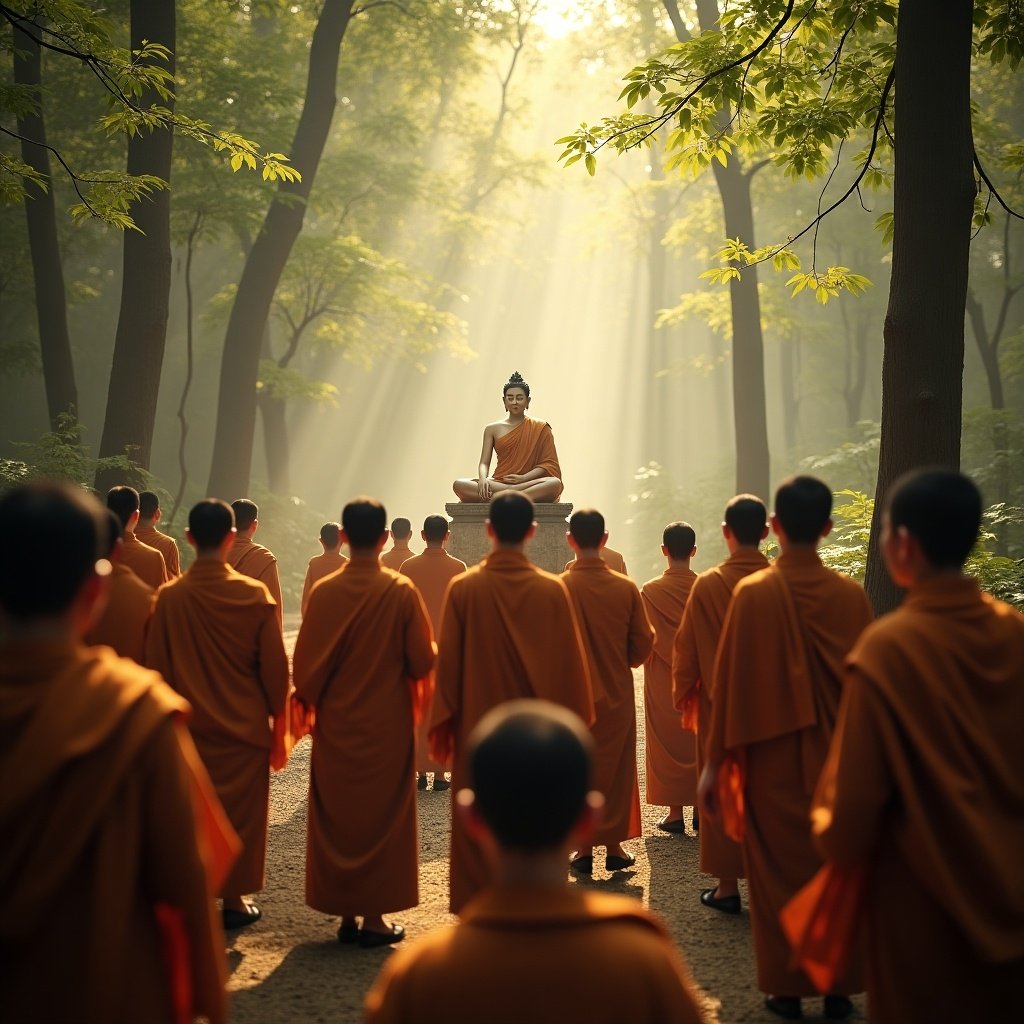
(289, 966)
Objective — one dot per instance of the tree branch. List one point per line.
(995, 192)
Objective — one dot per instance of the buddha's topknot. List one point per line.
(516, 381)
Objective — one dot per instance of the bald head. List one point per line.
(210, 523)
(586, 527)
(511, 516)
(364, 521)
(123, 501)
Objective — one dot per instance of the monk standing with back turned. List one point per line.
(329, 561)
(150, 514)
(147, 563)
(252, 559)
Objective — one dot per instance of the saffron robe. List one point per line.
(611, 558)
(518, 955)
(924, 785)
(671, 751)
(258, 563)
(776, 693)
(123, 623)
(167, 546)
(318, 567)
(617, 637)
(693, 675)
(396, 555)
(214, 637)
(147, 563)
(431, 572)
(108, 822)
(361, 658)
(508, 632)
(531, 445)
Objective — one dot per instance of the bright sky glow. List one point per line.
(559, 18)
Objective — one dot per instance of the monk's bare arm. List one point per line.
(273, 666)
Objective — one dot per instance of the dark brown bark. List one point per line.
(922, 364)
(146, 278)
(236, 406)
(44, 246)
(276, 449)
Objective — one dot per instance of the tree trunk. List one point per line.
(41, 215)
(146, 279)
(922, 364)
(787, 385)
(276, 449)
(236, 406)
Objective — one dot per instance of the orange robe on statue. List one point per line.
(431, 572)
(924, 785)
(396, 555)
(776, 694)
(617, 638)
(126, 616)
(167, 546)
(508, 633)
(109, 826)
(518, 955)
(147, 563)
(362, 665)
(531, 445)
(214, 637)
(693, 675)
(671, 751)
(611, 558)
(319, 567)
(258, 563)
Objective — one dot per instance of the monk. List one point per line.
(613, 559)
(331, 560)
(147, 563)
(527, 460)
(693, 663)
(113, 841)
(362, 664)
(924, 783)
(617, 637)
(215, 638)
(671, 753)
(150, 514)
(122, 624)
(508, 631)
(530, 948)
(432, 572)
(252, 559)
(401, 532)
(776, 693)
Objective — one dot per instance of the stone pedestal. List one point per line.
(548, 549)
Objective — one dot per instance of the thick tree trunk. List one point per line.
(276, 449)
(146, 279)
(236, 406)
(922, 366)
(47, 270)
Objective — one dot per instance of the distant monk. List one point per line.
(924, 783)
(671, 751)
(251, 559)
(149, 515)
(401, 532)
(693, 664)
(113, 842)
(530, 948)
(324, 564)
(527, 460)
(214, 637)
(776, 694)
(617, 638)
(432, 572)
(508, 632)
(362, 666)
(147, 563)
(129, 606)
(611, 558)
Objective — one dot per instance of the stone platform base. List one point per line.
(548, 549)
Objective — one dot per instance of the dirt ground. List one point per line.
(289, 967)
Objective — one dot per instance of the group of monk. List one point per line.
(866, 779)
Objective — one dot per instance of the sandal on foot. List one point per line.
(233, 919)
(441, 784)
(372, 940)
(786, 1007)
(348, 933)
(421, 781)
(676, 826)
(582, 864)
(838, 1007)
(615, 863)
(726, 904)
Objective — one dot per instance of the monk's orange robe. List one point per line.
(693, 663)
(671, 751)
(319, 567)
(362, 654)
(147, 563)
(167, 546)
(258, 563)
(214, 637)
(776, 694)
(529, 446)
(108, 823)
(611, 558)
(924, 786)
(508, 633)
(617, 638)
(123, 622)
(396, 555)
(516, 955)
(431, 572)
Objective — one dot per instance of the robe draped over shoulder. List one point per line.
(258, 563)
(167, 546)
(123, 623)
(613, 559)
(395, 556)
(147, 563)
(531, 445)
(320, 566)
